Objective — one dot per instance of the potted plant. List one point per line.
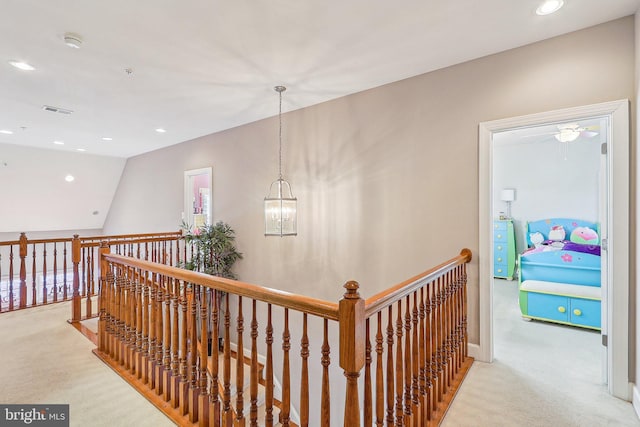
(213, 252)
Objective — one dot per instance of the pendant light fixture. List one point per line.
(280, 207)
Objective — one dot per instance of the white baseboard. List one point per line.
(473, 350)
(636, 400)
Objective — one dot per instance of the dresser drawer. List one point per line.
(585, 312)
(500, 253)
(500, 270)
(500, 236)
(545, 306)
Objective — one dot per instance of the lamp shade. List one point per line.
(508, 195)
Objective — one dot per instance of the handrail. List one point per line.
(387, 297)
(318, 307)
(131, 236)
(116, 240)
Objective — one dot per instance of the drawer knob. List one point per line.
(499, 259)
(499, 270)
(577, 312)
(561, 309)
(499, 248)
(499, 236)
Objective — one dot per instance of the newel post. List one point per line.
(23, 271)
(102, 290)
(352, 348)
(76, 311)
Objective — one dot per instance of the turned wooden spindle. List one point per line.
(194, 391)
(75, 259)
(240, 367)
(34, 285)
(285, 410)
(253, 412)
(11, 278)
(55, 272)
(175, 337)
(268, 392)
(399, 368)
(407, 363)
(415, 363)
(390, 367)
(379, 374)
(64, 272)
(23, 271)
(325, 405)
(368, 400)
(421, 357)
(215, 398)
(227, 412)
(183, 387)
(304, 377)
(203, 399)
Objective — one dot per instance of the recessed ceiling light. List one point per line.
(72, 40)
(58, 142)
(69, 178)
(549, 6)
(80, 149)
(106, 138)
(160, 130)
(22, 65)
(6, 132)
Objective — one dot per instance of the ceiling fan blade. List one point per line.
(588, 134)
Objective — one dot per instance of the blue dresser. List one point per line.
(504, 249)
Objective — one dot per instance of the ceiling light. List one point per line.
(160, 130)
(280, 209)
(58, 142)
(69, 178)
(549, 6)
(106, 138)
(22, 65)
(6, 132)
(81, 149)
(72, 40)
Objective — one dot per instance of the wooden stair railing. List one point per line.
(155, 320)
(35, 272)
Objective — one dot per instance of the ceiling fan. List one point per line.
(569, 132)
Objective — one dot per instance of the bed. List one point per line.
(559, 272)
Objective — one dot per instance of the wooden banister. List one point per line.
(158, 320)
(285, 299)
(387, 297)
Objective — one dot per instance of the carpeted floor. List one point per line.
(37, 366)
(543, 375)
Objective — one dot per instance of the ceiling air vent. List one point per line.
(56, 109)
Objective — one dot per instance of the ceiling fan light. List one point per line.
(567, 135)
(549, 6)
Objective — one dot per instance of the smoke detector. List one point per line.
(72, 40)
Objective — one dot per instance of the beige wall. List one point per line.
(387, 179)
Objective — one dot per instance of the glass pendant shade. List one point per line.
(280, 210)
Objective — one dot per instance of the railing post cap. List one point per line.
(352, 290)
(467, 253)
(104, 244)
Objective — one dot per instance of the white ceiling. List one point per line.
(201, 66)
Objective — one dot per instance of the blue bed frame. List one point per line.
(545, 295)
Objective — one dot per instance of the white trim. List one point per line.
(636, 400)
(618, 309)
(473, 350)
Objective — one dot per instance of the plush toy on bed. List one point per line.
(557, 233)
(536, 239)
(584, 235)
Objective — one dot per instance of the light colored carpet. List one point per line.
(543, 375)
(45, 360)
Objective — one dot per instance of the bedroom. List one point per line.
(547, 192)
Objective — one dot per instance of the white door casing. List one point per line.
(618, 227)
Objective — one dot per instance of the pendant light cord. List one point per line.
(280, 136)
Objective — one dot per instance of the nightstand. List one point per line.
(504, 249)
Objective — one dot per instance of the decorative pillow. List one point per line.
(584, 235)
(557, 233)
(536, 238)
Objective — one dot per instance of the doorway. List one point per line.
(617, 223)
